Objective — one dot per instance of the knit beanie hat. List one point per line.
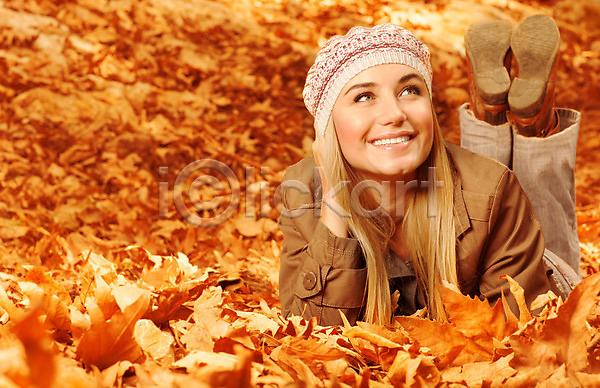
(344, 56)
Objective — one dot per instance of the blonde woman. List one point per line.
(385, 204)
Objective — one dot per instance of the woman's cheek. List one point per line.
(349, 128)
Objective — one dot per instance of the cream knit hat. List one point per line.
(344, 56)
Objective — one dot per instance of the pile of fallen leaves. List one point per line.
(178, 324)
(106, 279)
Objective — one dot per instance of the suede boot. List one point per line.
(534, 43)
(487, 46)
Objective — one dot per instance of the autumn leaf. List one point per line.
(309, 349)
(490, 322)
(169, 304)
(152, 340)
(519, 295)
(483, 373)
(250, 227)
(111, 339)
(412, 370)
(194, 337)
(41, 277)
(258, 322)
(197, 358)
(373, 337)
(563, 339)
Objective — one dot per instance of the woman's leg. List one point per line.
(493, 141)
(545, 168)
(544, 159)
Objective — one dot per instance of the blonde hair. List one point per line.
(430, 239)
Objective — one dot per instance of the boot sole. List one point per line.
(535, 43)
(486, 44)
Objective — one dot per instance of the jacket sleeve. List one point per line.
(320, 273)
(515, 246)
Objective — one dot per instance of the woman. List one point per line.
(390, 206)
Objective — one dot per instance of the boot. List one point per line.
(534, 43)
(487, 45)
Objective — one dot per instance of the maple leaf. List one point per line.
(258, 322)
(413, 370)
(111, 339)
(484, 373)
(168, 304)
(309, 349)
(563, 339)
(489, 323)
(446, 341)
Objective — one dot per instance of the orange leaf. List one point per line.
(563, 340)
(481, 373)
(111, 340)
(588, 380)
(153, 341)
(258, 322)
(446, 341)
(475, 318)
(310, 349)
(413, 371)
(374, 338)
(519, 294)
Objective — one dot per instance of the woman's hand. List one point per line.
(329, 217)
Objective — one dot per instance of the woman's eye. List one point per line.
(363, 97)
(411, 90)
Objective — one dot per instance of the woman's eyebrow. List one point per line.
(360, 86)
(408, 77)
(402, 80)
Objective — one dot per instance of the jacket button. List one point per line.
(310, 280)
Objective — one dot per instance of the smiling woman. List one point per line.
(395, 207)
(384, 122)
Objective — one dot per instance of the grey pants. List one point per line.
(545, 168)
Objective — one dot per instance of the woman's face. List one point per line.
(384, 122)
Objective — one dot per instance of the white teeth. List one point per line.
(401, 139)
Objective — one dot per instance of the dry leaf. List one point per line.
(152, 340)
(491, 322)
(110, 339)
(446, 341)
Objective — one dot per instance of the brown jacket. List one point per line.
(497, 233)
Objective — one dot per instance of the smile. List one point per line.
(400, 139)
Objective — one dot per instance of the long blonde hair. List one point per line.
(428, 231)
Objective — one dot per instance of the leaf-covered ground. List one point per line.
(103, 105)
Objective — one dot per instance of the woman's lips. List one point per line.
(393, 140)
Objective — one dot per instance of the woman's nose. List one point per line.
(391, 111)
